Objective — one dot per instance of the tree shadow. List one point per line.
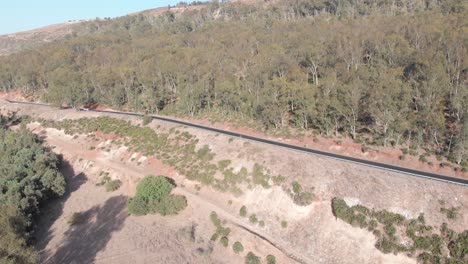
(82, 242)
(54, 208)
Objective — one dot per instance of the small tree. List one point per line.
(238, 247)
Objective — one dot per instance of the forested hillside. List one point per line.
(29, 177)
(388, 72)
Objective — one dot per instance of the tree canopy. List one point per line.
(388, 72)
(29, 176)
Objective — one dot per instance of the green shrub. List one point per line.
(270, 259)
(251, 258)
(137, 206)
(253, 219)
(223, 164)
(259, 176)
(385, 245)
(459, 246)
(341, 210)
(214, 218)
(261, 223)
(170, 205)
(154, 188)
(224, 241)
(296, 187)
(214, 237)
(422, 158)
(451, 213)
(237, 247)
(243, 211)
(390, 230)
(147, 119)
(113, 185)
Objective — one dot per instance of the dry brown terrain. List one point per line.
(313, 234)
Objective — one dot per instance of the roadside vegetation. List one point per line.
(221, 232)
(153, 195)
(179, 150)
(29, 178)
(381, 73)
(427, 243)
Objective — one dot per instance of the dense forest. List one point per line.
(387, 72)
(29, 177)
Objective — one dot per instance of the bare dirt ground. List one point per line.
(313, 235)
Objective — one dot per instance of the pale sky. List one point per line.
(21, 15)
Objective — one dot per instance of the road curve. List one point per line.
(368, 163)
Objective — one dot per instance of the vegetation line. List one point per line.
(378, 165)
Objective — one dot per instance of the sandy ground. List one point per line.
(313, 235)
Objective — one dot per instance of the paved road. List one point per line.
(368, 163)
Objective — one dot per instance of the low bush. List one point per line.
(243, 211)
(284, 224)
(451, 213)
(430, 245)
(113, 185)
(214, 237)
(153, 196)
(237, 247)
(154, 188)
(270, 259)
(253, 219)
(261, 223)
(169, 205)
(224, 241)
(137, 206)
(251, 258)
(147, 119)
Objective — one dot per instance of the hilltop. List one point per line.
(16, 42)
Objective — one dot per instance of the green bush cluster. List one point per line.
(29, 178)
(237, 247)
(113, 185)
(251, 258)
(221, 231)
(299, 196)
(427, 243)
(270, 259)
(153, 196)
(177, 149)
